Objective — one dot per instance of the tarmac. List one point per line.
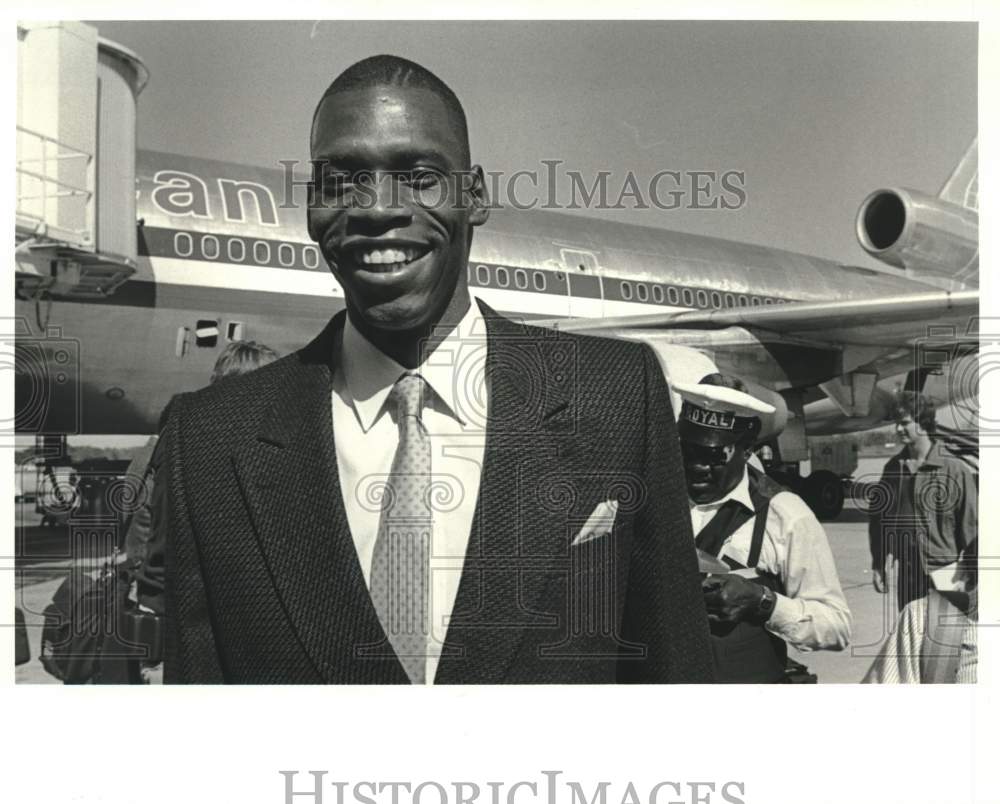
(42, 570)
(874, 615)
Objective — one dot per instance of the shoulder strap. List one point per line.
(762, 489)
(727, 520)
(757, 540)
(763, 485)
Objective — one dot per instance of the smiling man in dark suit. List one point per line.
(428, 492)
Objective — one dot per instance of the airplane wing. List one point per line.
(882, 322)
(835, 354)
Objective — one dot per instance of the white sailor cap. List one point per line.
(718, 411)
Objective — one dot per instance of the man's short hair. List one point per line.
(395, 71)
(724, 381)
(919, 407)
(240, 357)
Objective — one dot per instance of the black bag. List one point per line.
(22, 650)
(797, 673)
(80, 641)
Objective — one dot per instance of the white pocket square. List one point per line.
(599, 523)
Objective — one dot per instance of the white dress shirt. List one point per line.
(812, 613)
(366, 437)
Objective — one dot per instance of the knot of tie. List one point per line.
(407, 396)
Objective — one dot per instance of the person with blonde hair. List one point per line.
(239, 357)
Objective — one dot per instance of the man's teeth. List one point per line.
(387, 256)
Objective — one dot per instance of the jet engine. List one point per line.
(930, 238)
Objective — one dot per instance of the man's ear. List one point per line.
(752, 433)
(311, 225)
(480, 211)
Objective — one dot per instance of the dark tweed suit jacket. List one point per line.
(264, 584)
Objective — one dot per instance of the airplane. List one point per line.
(224, 255)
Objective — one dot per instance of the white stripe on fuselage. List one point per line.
(203, 273)
(321, 283)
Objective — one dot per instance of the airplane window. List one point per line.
(743, 301)
(234, 331)
(521, 279)
(688, 297)
(768, 301)
(209, 247)
(261, 251)
(183, 245)
(236, 249)
(672, 295)
(286, 254)
(642, 292)
(702, 298)
(730, 300)
(482, 275)
(310, 257)
(657, 294)
(626, 291)
(503, 278)
(539, 279)
(716, 300)
(207, 332)
(755, 301)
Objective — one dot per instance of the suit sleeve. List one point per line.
(191, 655)
(664, 607)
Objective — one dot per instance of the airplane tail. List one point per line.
(962, 186)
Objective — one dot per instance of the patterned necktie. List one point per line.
(400, 578)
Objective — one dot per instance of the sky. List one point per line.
(816, 115)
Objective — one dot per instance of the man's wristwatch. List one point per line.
(765, 608)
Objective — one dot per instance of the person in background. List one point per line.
(935, 641)
(241, 357)
(782, 585)
(924, 510)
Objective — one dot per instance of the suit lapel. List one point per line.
(515, 534)
(290, 481)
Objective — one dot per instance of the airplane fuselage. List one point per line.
(224, 255)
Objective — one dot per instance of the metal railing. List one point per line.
(42, 185)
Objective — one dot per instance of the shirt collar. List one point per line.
(934, 455)
(740, 494)
(932, 459)
(369, 374)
